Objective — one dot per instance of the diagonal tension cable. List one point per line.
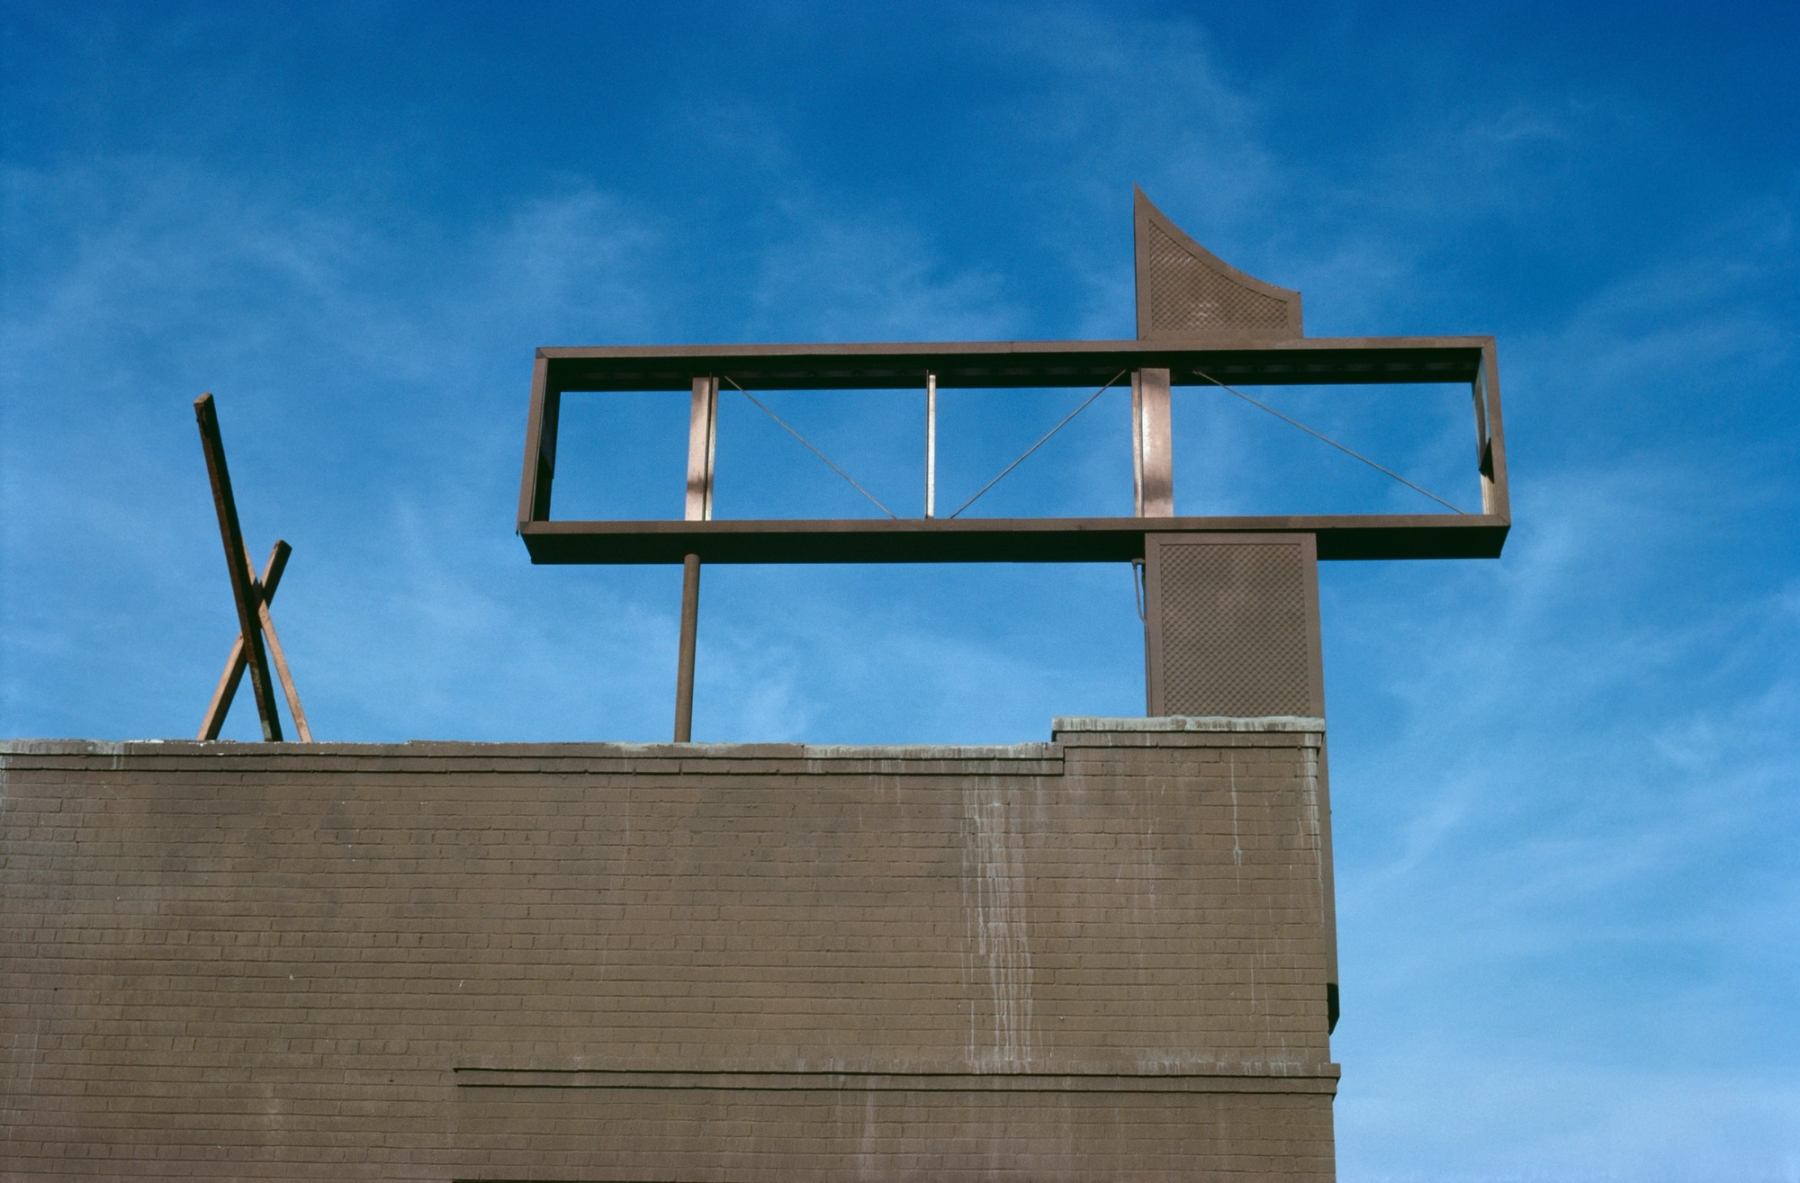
(1042, 442)
(771, 414)
(1329, 440)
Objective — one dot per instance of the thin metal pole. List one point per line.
(930, 445)
(684, 672)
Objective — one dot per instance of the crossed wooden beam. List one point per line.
(253, 597)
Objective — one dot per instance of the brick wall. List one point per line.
(1103, 957)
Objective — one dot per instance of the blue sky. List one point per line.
(1564, 782)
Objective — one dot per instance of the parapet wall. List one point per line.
(1102, 957)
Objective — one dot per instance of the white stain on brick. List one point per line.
(869, 1164)
(994, 884)
(1312, 837)
(1237, 845)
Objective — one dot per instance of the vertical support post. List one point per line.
(703, 438)
(243, 584)
(684, 671)
(1137, 444)
(1490, 437)
(930, 445)
(1153, 480)
(1152, 455)
(540, 446)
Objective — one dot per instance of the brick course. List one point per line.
(1102, 957)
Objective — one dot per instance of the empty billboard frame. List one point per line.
(698, 371)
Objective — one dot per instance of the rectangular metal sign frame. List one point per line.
(898, 366)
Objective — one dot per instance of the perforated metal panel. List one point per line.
(1190, 299)
(1233, 625)
(1185, 292)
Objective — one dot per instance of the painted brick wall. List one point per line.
(1102, 957)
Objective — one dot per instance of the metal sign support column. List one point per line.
(703, 439)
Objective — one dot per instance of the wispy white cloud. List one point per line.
(835, 276)
(171, 281)
(1565, 838)
(365, 423)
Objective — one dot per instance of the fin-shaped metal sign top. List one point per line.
(1185, 292)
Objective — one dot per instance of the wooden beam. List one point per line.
(243, 592)
(238, 662)
(281, 666)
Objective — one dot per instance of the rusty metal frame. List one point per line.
(1307, 361)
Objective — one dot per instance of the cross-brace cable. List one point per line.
(1329, 440)
(1042, 442)
(771, 414)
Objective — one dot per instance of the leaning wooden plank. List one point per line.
(242, 592)
(237, 662)
(281, 669)
(267, 620)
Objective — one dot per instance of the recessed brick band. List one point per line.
(1100, 958)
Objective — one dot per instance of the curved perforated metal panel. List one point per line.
(1185, 292)
(1190, 299)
